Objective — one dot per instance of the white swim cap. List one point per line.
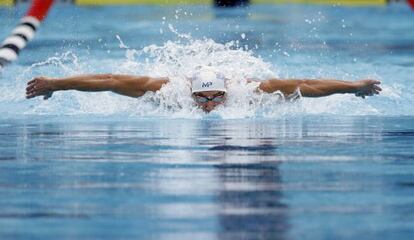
(207, 79)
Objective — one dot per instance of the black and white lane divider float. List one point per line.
(24, 31)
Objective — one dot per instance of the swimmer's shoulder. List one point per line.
(156, 83)
(255, 83)
(163, 80)
(253, 80)
(266, 85)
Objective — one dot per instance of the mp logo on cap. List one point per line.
(206, 84)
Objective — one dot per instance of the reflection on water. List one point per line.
(205, 179)
(251, 204)
(249, 197)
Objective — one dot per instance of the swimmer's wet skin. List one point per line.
(208, 87)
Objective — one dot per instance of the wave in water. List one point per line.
(176, 60)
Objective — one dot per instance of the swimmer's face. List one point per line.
(208, 100)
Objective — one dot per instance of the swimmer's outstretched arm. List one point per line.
(132, 86)
(321, 88)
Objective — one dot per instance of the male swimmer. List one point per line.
(208, 87)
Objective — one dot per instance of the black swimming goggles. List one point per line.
(203, 99)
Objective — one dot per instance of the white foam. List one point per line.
(176, 60)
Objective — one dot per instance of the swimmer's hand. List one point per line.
(39, 86)
(367, 87)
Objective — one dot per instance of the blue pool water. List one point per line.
(100, 166)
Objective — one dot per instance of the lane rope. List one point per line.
(411, 2)
(24, 31)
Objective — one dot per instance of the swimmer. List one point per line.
(208, 87)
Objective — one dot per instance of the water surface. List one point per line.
(101, 166)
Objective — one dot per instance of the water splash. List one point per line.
(176, 59)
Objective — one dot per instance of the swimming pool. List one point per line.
(100, 166)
